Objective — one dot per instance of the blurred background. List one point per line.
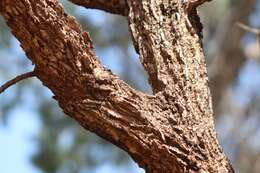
(36, 137)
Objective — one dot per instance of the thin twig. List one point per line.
(255, 31)
(17, 79)
(248, 28)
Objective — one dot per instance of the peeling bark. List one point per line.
(171, 131)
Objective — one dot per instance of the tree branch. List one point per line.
(248, 28)
(17, 79)
(111, 6)
(85, 90)
(164, 60)
(171, 131)
(168, 40)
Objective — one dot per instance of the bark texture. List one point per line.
(171, 131)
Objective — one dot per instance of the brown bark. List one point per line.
(171, 131)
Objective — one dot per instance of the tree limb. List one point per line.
(111, 6)
(171, 131)
(16, 80)
(66, 63)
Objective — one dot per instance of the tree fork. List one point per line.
(171, 131)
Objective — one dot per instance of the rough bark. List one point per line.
(171, 131)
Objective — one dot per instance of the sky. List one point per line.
(16, 145)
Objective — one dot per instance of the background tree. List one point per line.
(218, 71)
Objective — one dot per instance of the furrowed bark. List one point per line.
(111, 6)
(168, 38)
(171, 131)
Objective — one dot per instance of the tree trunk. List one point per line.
(171, 131)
